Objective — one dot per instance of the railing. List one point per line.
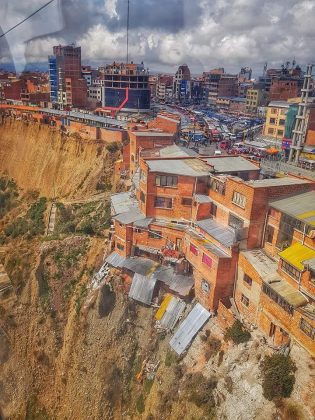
(279, 166)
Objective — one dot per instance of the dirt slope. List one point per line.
(42, 158)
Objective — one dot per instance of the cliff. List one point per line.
(40, 157)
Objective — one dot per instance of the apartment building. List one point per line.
(193, 218)
(182, 83)
(254, 99)
(275, 119)
(275, 286)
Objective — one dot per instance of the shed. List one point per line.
(142, 288)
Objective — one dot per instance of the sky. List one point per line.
(163, 33)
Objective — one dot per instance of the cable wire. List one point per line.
(28, 17)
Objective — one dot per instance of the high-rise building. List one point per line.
(181, 83)
(67, 86)
(125, 87)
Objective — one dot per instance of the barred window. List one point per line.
(239, 199)
(205, 286)
(277, 298)
(120, 246)
(307, 328)
(289, 269)
(166, 181)
(155, 234)
(235, 221)
(245, 300)
(163, 202)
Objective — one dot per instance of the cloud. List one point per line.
(166, 33)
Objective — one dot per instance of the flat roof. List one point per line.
(226, 164)
(169, 151)
(296, 254)
(277, 182)
(185, 167)
(223, 234)
(123, 202)
(151, 133)
(289, 293)
(130, 216)
(280, 104)
(261, 262)
(300, 206)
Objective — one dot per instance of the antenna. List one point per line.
(127, 60)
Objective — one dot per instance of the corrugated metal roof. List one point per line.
(143, 223)
(80, 115)
(178, 283)
(223, 234)
(131, 216)
(277, 182)
(164, 304)
(296, 254)
(201, 198)
(186, 167)
(140, 265)
(142, 288)
(228, 164)
(189, 328)
(172, 313)
(289, 293)
(301, 206)
(122, 203)
(176, 151)
(115, 260)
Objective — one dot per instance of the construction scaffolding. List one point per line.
(299, 132)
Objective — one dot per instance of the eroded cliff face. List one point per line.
(40, 157)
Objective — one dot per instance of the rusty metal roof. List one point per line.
(186, 167)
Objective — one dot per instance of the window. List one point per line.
(207, 260)
(289, 269)
(277, 298)
(155, 234)
(213, 210)
(235, 222)
(120, 246)
(248, 280)
(142, 196)
(307, 328)
(186, 201)
(280, 133)
(244, 300)
(166, 181)
(163, 202)
(273, 110)
(205, 286)
(281, 122)
(269, 234)
(193, 249)
(239, 199)
(272, 120)
(143, 176)
(270, 130)
(217, 186)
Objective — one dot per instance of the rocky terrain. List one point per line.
(62, 360)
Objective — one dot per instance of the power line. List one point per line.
(28, 17)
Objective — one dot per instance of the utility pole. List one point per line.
(127, 60)
(299, 131)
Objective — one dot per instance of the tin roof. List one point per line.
(188, 329)
(227, 164)
(296, 254)
(143, 223)
(115, 260)
(172, 312)
(123, 202)
(142, 288)
(201, 198)
(277, 182)
(301, 206)
(185, 167)
(289, 293)
(133, 215)
(178, 283)
(169, 151)
(143, 266)
(223, 234)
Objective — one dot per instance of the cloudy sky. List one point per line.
(164, 33)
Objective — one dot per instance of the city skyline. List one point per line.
(202, 34)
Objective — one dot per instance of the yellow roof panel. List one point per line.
(296, 254)
(161, 311)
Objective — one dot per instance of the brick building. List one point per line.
(195, 218)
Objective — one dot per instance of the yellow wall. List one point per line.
(275, 122)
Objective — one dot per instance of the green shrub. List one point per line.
(278, 376)
(170, 358)
(140, 404)
(237, 333)
(199, 390)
